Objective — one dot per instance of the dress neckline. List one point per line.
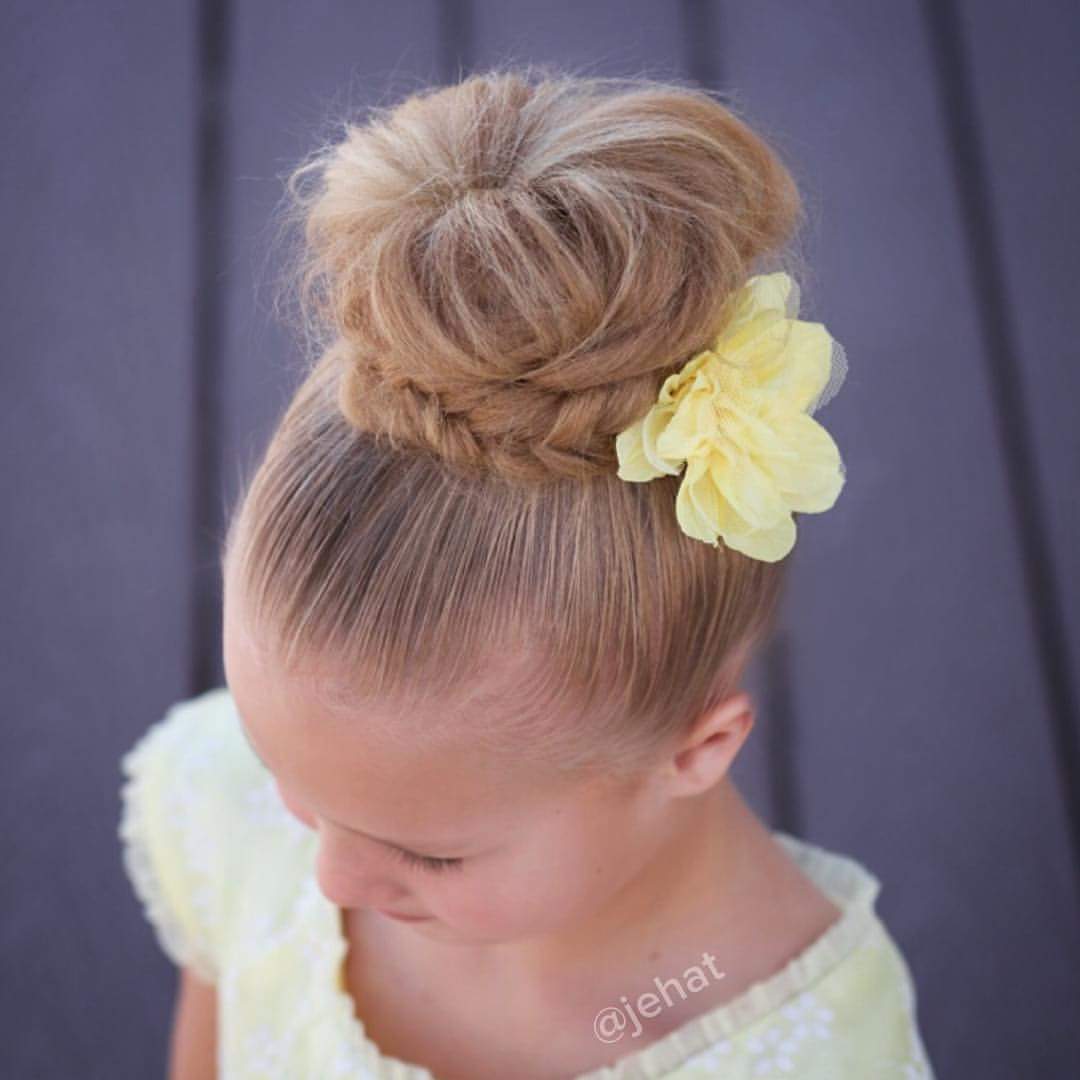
(845, 881)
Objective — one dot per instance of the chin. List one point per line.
(476, 937)
(441, 931)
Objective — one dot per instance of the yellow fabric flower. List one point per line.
(737, 416)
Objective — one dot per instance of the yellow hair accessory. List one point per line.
(737, 415)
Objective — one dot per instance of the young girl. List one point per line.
(464, 810)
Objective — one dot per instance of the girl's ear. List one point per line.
(705, 754)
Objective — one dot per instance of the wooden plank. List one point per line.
(1027, 82)
(603, 38)
(1025, 79)
(97, 199)
(924, 728)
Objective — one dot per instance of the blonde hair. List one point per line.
(498, 275)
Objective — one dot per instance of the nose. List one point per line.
(355, 881)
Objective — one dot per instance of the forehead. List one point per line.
(316, 697)
(503, 711)
(424, 773)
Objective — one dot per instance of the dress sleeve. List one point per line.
(167, 845)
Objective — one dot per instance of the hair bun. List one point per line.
(505, 268)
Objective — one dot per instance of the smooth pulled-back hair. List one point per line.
(498, 275)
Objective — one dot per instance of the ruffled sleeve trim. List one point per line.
(139, 855)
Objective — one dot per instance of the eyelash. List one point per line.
(427, 862)
(424, 862)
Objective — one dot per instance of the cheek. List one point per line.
(586, 860)
(546, 883)
(582, 870)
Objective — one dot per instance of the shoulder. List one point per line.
(191, 795)
(200, 731)
(859, 1004)
(845, 1006)
(875, 1003)
(860, 999)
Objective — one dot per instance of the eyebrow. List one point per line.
(347, 828)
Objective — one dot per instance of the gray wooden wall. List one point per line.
(918, 708)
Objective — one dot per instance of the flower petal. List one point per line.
(699, 508)
(771, 290)
(769, 545)
(758, 340)
(633, 464)
(807, 365)
(812, 477)
(762, 292)
(653, 429)
(749, 489)
(691, 429)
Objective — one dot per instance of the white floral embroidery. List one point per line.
(778, 1047)
(264, 1052)
(770, 1051)
(809, 1016)
(710, 1058)
(262, 809)
(185, 943)
(349, 1062)
(260, 806)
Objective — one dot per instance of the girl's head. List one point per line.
(448, 623)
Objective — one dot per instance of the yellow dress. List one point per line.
(225, 876)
